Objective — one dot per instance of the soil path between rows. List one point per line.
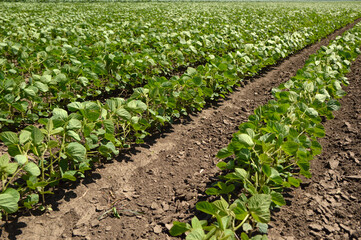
(160, 181)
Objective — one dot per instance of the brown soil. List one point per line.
(161, 181)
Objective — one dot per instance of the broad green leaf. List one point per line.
(196, 234)
(179, 228)
(259, 205)
(9, 138)
(70, 175)
(109, 126)
(4, 160)
(196, 223)
(37, 136)
(74, 124)
(14, 193)
(76, 151)
(241, 173)
(41, 86)
(245, 139)
(294, 181)
(123, 113)
(8, 202)
(223, 153)
(11, 168)
(32, 169)
(75, 106)
(278, 199)
(21, 159)
(74, 135)
(136, 106)
(60, 113)
(262, 227)
(206, 207)
(290, 147)
(24, 136)
(247, 227)
(91, 111)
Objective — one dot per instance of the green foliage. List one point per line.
(275, 146)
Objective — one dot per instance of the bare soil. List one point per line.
(160, 181)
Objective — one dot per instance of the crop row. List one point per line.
(48, 62)
(273, 149)
(69, 142)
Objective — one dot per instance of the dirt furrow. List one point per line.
(160, 181)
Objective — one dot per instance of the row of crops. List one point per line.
(79, 82)
(274, 148)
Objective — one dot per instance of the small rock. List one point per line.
(317, 234)
(79, 233)
(169, 226)
(346, 228)
(315, 226)
(157, 229)
(165, 206)
(100, 208)
(330, 228)
(94, 223)
(309, 212)
(333, 163)
(154, 206)
(108, 228)
(226, 122)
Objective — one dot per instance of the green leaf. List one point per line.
(75, 106)
(179, 228)
(92, 111)
(259, 205)
(316, 148)
(41, 86)
(76, 151)
(74, 124)
(223, 153)
(109, 126)
(241, 173)
(290, 147)
(24, 136)
(32, 169)
(333, 105)
(197, 234)
(294, 181)
(74, 135)
(196, 223)
(60, 113)
(244, 236)
(266, 170)
(9, 138)
(206, 207)
(247, 227)
(70, 175)
(14, 193)
(262, 227)
(31, 200)
(278, 199)
(21, 159)
(311, 112)
(197, 80)
(123, 113)
(37, 136)
(245, 139)
(8, 203)
(136, 106)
